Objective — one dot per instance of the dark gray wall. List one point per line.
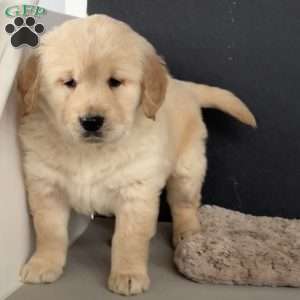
(251, 47)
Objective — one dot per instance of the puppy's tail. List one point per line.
(214, 97)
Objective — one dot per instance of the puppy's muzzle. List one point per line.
(91, 125)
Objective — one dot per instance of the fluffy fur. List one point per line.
(153, 135)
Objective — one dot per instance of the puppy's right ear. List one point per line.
(28, 83)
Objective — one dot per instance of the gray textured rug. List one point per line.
(235, 248)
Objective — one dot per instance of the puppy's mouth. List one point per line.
(92, 137)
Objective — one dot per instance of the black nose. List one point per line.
(91, 123)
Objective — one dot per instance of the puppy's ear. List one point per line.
(28, 83)
(154, 84)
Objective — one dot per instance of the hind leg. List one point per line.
(184, 190)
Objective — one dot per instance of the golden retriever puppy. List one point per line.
(104, 129)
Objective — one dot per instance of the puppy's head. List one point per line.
(90, 76)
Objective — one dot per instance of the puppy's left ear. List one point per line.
(154, 84)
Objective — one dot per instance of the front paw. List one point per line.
(40, 270)
(128, 284)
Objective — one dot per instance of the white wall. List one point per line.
(55, 5)
(15, 238)
(70, 7)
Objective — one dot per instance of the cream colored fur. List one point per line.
(153, 135)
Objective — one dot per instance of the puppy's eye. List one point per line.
(71, 83)
(113, 82)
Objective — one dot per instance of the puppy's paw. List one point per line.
(178, 236)
(39, 270)
(128, 284)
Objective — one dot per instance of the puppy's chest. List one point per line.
(92, 186)
(88, 191)
(95, 184)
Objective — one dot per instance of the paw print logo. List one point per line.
(24, 32)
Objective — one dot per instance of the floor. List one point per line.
(88, 266)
